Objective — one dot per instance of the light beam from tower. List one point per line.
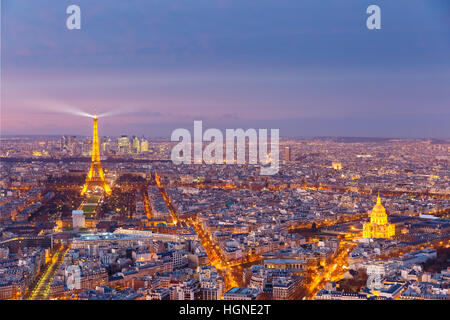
(96, 177)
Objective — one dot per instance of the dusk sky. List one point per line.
(307, 67)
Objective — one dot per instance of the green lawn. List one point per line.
(89, 209)
(93, 199)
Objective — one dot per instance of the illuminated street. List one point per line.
(42, 289)
(333, 270)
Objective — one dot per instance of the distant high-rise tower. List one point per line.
(63, 145)
(96, 177)
(287, 153)
(123, 144)
(136, 145)
(144, 145)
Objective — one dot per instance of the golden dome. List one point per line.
(378, 227)
(378, 210)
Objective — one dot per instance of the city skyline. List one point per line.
(342, 220)
(298, 66)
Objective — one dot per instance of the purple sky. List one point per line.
(310, 68)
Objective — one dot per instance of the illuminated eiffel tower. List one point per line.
(96, 177)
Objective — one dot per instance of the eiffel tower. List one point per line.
(96, 177)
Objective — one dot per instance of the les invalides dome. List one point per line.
(378, 227)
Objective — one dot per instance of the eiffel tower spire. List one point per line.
(96, 177)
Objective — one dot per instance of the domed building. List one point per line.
(378, 227)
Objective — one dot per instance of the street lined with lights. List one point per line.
(42, 289)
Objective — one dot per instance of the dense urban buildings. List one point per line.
(343, 219)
